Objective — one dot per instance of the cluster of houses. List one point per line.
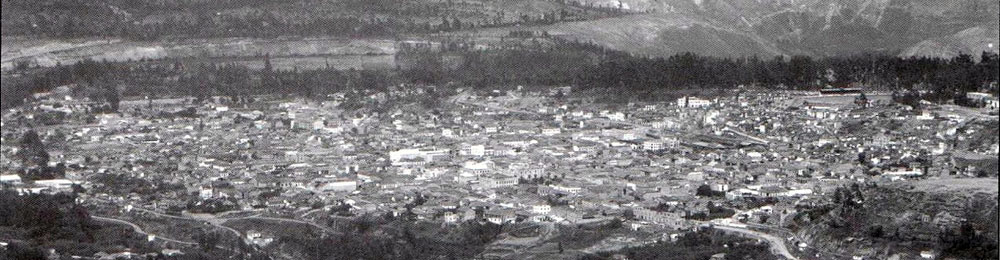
(519, 156)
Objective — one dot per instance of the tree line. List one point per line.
(566, 63)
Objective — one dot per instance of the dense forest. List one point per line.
(565, 63)
(34, 223)
(56, 221)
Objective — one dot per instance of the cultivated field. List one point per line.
(342, 52)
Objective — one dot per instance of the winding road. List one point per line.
(139, 230)
(777, 244)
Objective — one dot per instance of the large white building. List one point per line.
(693, 102)
(430, 155)
(339, 186)
(12, 179)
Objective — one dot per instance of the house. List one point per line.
(500, 216)
(617, 116)
(206, 193)
(988, 100)
(258, 239)
(451, 217)
(653, 145)
(551, 131)
(584, 146)
(720, 186)
(541, 208)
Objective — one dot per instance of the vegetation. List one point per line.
(695, 245)
(57, 222)
(578, 64)
(706, 191)
(149, 20)
(370, 237)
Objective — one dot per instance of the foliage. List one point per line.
(32, 150)
(694, 245)
(563, 63)
(370, 237)
(706, 191)
(57, 222)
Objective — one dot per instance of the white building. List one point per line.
(57, 184)
(551, 131)
(541, 208)
(693, 102)
(396, 157)
(339, 186)
(12, 179)
(478, 168)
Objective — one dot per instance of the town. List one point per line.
(743, 161)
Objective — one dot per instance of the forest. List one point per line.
(566, 63)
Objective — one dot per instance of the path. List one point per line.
(139, 230)
(777, 244)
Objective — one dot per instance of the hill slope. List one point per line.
(957, 217)
(807, 27)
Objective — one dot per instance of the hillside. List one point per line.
(726, 28)
(955, 217)
(818, 28)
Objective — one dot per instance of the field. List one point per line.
(343, 52)
(839, 101)
(657, 35)
(984, 185)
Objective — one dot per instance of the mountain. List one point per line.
(726, 28)
(794, 27)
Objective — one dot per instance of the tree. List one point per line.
(861, 100)
(112, 97)
(32, 151)
(207, 240)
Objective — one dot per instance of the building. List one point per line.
(11, 179)
(478, 168)
(693, 102)
(500, 216)
(984, 98)
(56, 185)
(551, 131)
(409, 155)
(655, 145)
(451, 217)
(840, 91)
(669, 219)
(339, 186)
(541, 208)
(525, 171)
(495, 183)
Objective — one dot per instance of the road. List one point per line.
(324, 229)
(139, 230)
(777, 244)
